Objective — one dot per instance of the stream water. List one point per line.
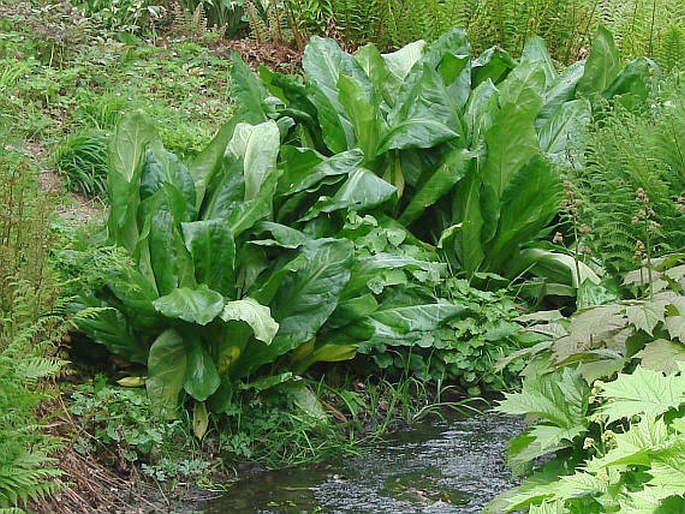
(436, 468)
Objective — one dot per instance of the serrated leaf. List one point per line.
(644, 392)
(662, 355)
(646, 316)
(633, 447)
(676, 326)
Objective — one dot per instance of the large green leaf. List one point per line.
(427, 116)
(529, 203)
(127, 149)
(109, 327)
(305, 168)
(561, 90)
(163, 167)
(535, 49)
(363, 110)
(209, 161)
(258, 147)
(323, 63)
(163, 243)
(212, 247)
(438, 184)
(391, 322)
(202, 378)
(200, 305)
(363, 190)
(644, 392)
(511, 140)
(602, 66)
(398, 65)
(253, 313)
(166, 368)
(494, 64)
(466, 243)
(562, 138)
(247, 91)
(306, 298)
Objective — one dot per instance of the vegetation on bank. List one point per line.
(292, 262)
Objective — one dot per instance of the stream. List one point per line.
(436, 468)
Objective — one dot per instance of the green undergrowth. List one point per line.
(65, 85)
(30, 329)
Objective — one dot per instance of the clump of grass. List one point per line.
(82, 160)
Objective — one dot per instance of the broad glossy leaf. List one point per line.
(535, 49)
(127, 149)
(169, 258)
(306, 298)
(493, 64)
(639, 79)
(467, 243)
(135, 294)
(226, 190)
(528, 204)
(166, 368)
(362, 190)
(245, 215)
(398, 65)
(352, 309)
(562, 90)
(258, 147)
(511, 142)
(363, 109)
(209, 162)
(211, 245)
(202, 378)
(200, 305)
(480, 112)
(323, 62)
(308, 354)
(555, 266)
(390, 322)
(163, 167)
(282, 236)
(562, 138)
(524, 87)
(305, 172)
(426, 117)
(109, 327)
(438, 184)
(253, 313)
(602, 66)
(247, 91)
